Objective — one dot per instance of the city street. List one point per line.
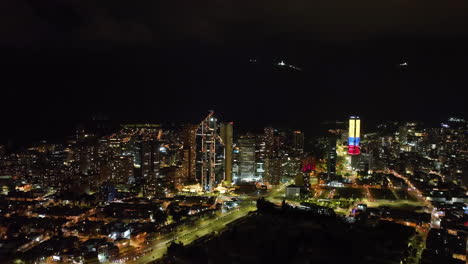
(187, 235)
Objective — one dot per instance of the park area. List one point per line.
(349, 193)
(405, 195)
(340, 199)
(339, 193)
(360, 193)
(382, 194)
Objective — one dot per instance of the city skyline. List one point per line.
(143, 193)
(20, 139)
(157, 132)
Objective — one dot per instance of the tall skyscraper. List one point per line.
(354, 135)
(298, 142)
(209, 159)
(226, 136)
(189, 161)
(150, 166)
(269, 141)
(246, 157)
(331, 161)
(273, 170)
(121, 169)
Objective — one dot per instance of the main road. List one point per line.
(187, 235)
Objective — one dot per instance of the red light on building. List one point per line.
(354, 150)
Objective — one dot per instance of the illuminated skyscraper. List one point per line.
(209, 147)
(269, 141)
(150, 166)
(354, 136)
(189, 153)
(226, 136)
(121, 169)
(298, 142)
(247, 158)
(273, 170)
(331, 161)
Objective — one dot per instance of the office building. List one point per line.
(189, 153)
(297, 142)
(273, 170)
(269, 137)
(227, 137)
(354, 136)
(150, 166)
(246, 158)
(331, 158)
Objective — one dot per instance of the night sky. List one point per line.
(63, 61)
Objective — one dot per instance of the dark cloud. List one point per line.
(66, 24)
(31, 22)
(104, 28)
(19, 25)
(349, 52)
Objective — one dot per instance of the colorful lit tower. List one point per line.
(354, 135)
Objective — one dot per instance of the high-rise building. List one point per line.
(281, 142)
(298, 142)
(291, 165)
(273, 170)
(269, 141)
(354, 136)
(189, 161)
(260, 156)
(150, 166)
(361, 163)
(246, 157)
(121, 169)
(226, 136)
(210, 153)
(331, 157)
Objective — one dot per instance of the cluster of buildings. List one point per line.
(403, 146)
(431, 163)
(154, 158)
(103, 190)
(269, 156)
(106, 189)
(78, 228)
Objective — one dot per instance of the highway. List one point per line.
(187, 235)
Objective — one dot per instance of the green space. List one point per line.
(349, 193)
(339, 205)
(405, 195)
(400, 204)
(382, 194)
